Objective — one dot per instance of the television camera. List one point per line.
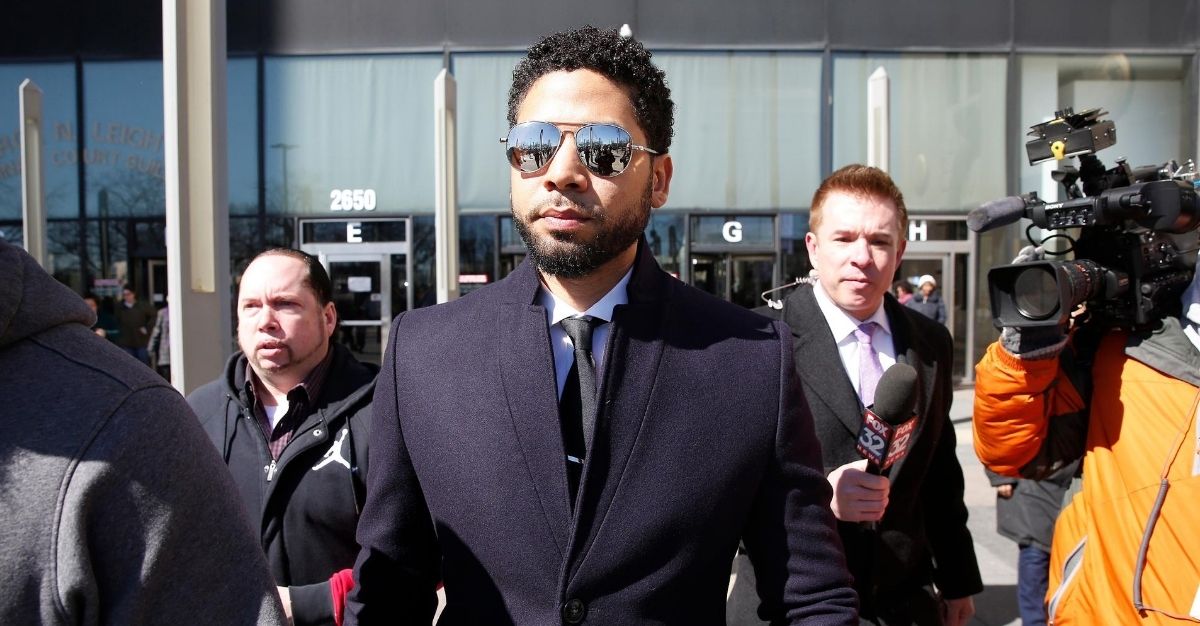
(1126, 268)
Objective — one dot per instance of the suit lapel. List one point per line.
(818, 361)
(527, 372)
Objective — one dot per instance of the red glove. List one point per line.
(340, 585)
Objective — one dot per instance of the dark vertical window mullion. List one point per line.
(826, 111)
(496, 249)
(84, 273)
(260, 138)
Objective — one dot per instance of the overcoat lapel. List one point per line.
(818, 361)
(630, 368)
(527, 371)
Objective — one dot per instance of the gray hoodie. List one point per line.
(117, 509)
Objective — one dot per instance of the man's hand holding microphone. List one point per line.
(860, 491)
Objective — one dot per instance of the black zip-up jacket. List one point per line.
(307, 503)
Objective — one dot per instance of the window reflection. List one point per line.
(248, 236)
(347, 123)
(62, 247)
(241, 77)
(947, 134)
(664, 235)
(746, 129)
(59, 160)
(424, 280)
(1144, 96)
(793, 252)
(483, 80)
(123, 139)
(476, 248)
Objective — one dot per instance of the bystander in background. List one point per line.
(160, 344)
(135, 320)
(106, 325)
(1025, 512)
(927, 301)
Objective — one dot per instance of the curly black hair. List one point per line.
(620, 59)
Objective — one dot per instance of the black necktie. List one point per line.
(577, 407)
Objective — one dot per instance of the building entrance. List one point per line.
(737, 278)
(949, 263)
(941, 268)
(733, 256)
(370, 267)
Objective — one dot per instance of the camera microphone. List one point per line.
(888, 424)
(997, 213)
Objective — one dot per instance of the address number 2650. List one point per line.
(352, 200)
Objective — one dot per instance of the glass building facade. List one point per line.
(331, 151)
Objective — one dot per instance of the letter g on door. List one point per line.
(732, 231)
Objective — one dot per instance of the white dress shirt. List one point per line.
(843, 325)
(560, 343)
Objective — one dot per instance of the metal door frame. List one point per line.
(945, 251)
(726, 258)
(385, 289)
(947, 281)
(151, 263)
(321, 250)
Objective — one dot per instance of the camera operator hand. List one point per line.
(1036, 342)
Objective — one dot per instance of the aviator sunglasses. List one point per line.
(605, 149)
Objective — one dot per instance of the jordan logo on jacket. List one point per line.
(334, 454)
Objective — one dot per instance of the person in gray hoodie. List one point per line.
(117, 509)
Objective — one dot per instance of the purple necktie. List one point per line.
(870, 370)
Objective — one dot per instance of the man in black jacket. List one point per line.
(291, 417)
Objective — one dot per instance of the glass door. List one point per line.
(363, 297)
(949, 270)
(156, 283)
(916, 266)
(710, 274)
(749, 277)
(741, 279)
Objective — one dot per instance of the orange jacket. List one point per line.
(1139, 423)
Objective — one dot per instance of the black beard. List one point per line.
(564, 255)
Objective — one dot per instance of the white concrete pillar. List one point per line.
(33, 190)
(445, 221)
(196, 190)
(878, 119)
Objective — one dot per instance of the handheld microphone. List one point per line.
(888, 424)
(997, 213)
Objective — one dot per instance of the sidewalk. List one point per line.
(997, 605)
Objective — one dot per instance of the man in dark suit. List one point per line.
(547, 476)
(917, 566)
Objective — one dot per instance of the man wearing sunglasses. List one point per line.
(588, 439)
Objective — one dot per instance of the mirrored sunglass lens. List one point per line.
(604, 148)
(531, 145)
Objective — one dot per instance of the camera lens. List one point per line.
(1035, 292)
